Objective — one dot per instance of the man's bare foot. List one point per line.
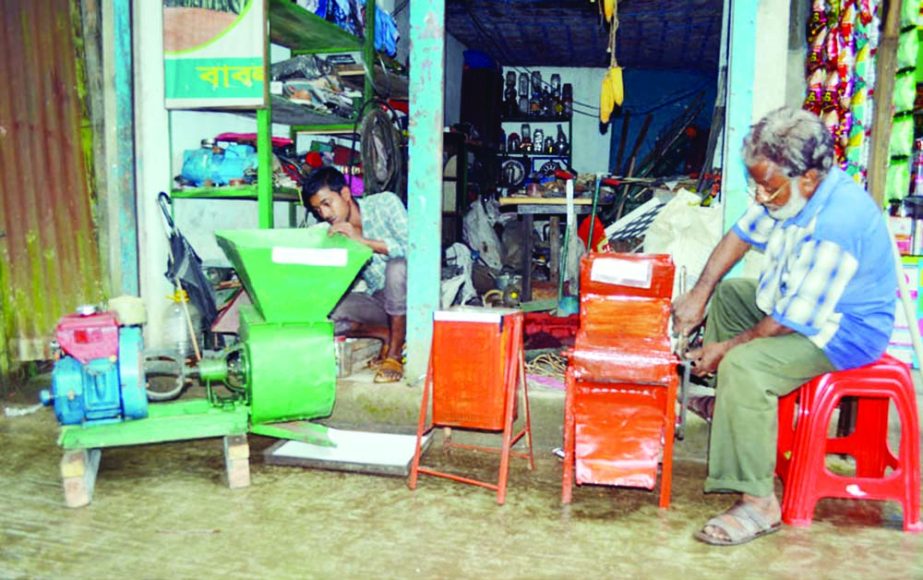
(375, 363)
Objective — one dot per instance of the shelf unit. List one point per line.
(548, 124)
(302, 32)
(466, 180)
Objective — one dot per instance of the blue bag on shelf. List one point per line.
(197, 166)
(205, 167)
(237, 160)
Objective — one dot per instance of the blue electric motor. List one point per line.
(101, 390)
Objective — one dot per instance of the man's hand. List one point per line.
(347, 229)
(688, 312)
(705, 360)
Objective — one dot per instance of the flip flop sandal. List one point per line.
(748, 524)
(389, 365)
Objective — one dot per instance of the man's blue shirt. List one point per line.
(829, 272)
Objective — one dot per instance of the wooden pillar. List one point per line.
(424, 193)
(883, 104)
(739, 113)
(119, 225)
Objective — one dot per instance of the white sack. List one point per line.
(686, 231)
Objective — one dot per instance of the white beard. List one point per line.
(794, 206)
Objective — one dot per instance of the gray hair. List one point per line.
(793, 140)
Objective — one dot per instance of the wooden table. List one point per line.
(527, 208)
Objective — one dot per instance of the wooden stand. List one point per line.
(166, 422)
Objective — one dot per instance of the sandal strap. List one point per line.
(747, 522)
(390, 371)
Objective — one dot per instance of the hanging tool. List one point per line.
(623, 140)
(567, 305)
(682, 345)
(642, 134)
(589, 238)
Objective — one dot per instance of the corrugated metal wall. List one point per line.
(49, 256)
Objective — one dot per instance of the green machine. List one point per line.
(284, 366)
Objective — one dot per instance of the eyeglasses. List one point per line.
(766, 196)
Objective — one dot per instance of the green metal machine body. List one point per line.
(291, 368)
(286, 359)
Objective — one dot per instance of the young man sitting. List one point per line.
(380, 222)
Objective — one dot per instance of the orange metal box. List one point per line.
(470, 351)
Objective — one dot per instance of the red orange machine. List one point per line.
(622, 379)
(476, 374)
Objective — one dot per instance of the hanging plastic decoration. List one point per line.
(842, 38)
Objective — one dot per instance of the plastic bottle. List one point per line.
(538, 141)
(561, 145)
(510, 96)
(567, 96)
(916, 185)
(207, 160)
(523, 93)
(176, 327)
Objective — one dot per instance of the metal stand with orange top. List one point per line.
(476, 366)
(622, 380)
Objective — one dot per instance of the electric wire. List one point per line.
(548, 364)
(501, 50)
(593, 110)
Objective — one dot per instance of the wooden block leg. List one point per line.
(78, 473)
(237, 461)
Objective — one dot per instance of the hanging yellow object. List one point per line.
(608, 9)
(618, 89)
(612, 93)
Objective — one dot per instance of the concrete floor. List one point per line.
(163, 511)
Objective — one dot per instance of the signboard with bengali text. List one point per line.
(214, 53)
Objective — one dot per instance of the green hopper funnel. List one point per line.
(293, 275)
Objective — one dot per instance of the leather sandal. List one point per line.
(389, 371)
(739, 525)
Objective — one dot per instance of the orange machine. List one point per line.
(476, 366)
(622, 378)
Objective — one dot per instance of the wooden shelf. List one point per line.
(529, 155)
(303, 119)
(233, 192)
(294, 27)
(536, 119)
(285, 112)
(388, 84)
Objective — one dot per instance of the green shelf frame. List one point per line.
(301, 31)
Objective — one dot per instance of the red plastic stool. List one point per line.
(801, 460)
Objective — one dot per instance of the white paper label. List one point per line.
(335, 257)
(622, 272)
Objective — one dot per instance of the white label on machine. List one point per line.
(310, 256)
(472, 314)
(622, 272)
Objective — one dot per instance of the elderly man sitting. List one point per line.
(824, 301)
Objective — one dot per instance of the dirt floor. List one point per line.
(163, 511)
